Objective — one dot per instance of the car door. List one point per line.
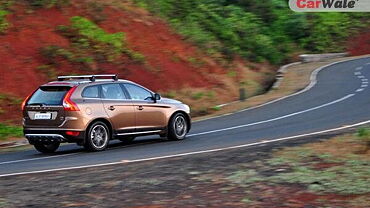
(119, 108)
(150, 116)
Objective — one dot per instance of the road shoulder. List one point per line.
(234, 178)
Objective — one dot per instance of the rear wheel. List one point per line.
(178, 127)
(46, 148)
(98, 137)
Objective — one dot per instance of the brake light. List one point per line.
(26, 100)
(72, 133)
(68, 104)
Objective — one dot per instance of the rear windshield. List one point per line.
(48, 96)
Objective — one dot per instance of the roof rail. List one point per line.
(90, 77)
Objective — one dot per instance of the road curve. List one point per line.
(340, 97)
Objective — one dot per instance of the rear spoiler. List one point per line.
(90, 77)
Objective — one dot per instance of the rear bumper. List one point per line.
(52, 136)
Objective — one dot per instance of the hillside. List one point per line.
(259, 30)
(44, 40)
(200, 52)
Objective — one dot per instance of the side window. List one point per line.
(138, 93)
(91, 92)
(113, 91)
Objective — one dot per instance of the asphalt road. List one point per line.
(340, 97)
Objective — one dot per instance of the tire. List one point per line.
(177, 127)
(46, 148)
(98, 137)
(127, 140)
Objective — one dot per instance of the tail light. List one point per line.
(68, 104)
(73, 133)
(26, 100)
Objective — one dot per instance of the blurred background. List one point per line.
(201, 52)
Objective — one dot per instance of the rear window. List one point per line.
(48, 96)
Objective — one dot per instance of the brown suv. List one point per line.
(91, 110)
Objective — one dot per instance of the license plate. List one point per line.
(42, 116)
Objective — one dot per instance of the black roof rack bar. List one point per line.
(90, 77)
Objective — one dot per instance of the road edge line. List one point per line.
(189, 153)
(313, 82)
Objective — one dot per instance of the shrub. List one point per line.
(257, 30)
(48, 3)
(4, 24)
(90, 30)
(197, 96)
(7, 131)
(364, 135)
(85, 34)
(48, 70)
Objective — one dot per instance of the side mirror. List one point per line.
(156, 97)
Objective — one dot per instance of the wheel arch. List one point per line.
(105, 121)
(187, 116)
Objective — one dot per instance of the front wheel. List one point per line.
(46, 148)
(98, 137)
(177, 127)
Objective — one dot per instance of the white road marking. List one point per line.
(360, 90)
(313, 81)
(273, 119)
(359, 68)
(365, 82)
(207, 132)
(361, 77)
(357, 73)
(363, 86)
(188, 153)
(33, 159)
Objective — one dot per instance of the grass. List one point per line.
(4, 11)
(7, 131)
(10, 99)
(364, 135)
(335, 166)
(48, 3)
(195, 62)
(197, 95)
(90, 45)
(4, 24)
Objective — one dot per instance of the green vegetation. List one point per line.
(4, 11)
(48, 3)
(170, 94)
(333, 166)
(216, 108)
(48, 70)
(257, 30)
(195, 62)
(11, 99)
(90, 45)
(353, 178)
(197, 95)
(89, 30)
(364, 135)
(96, 11)
(112, 45)
(7, 131)
(4, 24)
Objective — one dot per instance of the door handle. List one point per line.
(111, 108)
(140, 108)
